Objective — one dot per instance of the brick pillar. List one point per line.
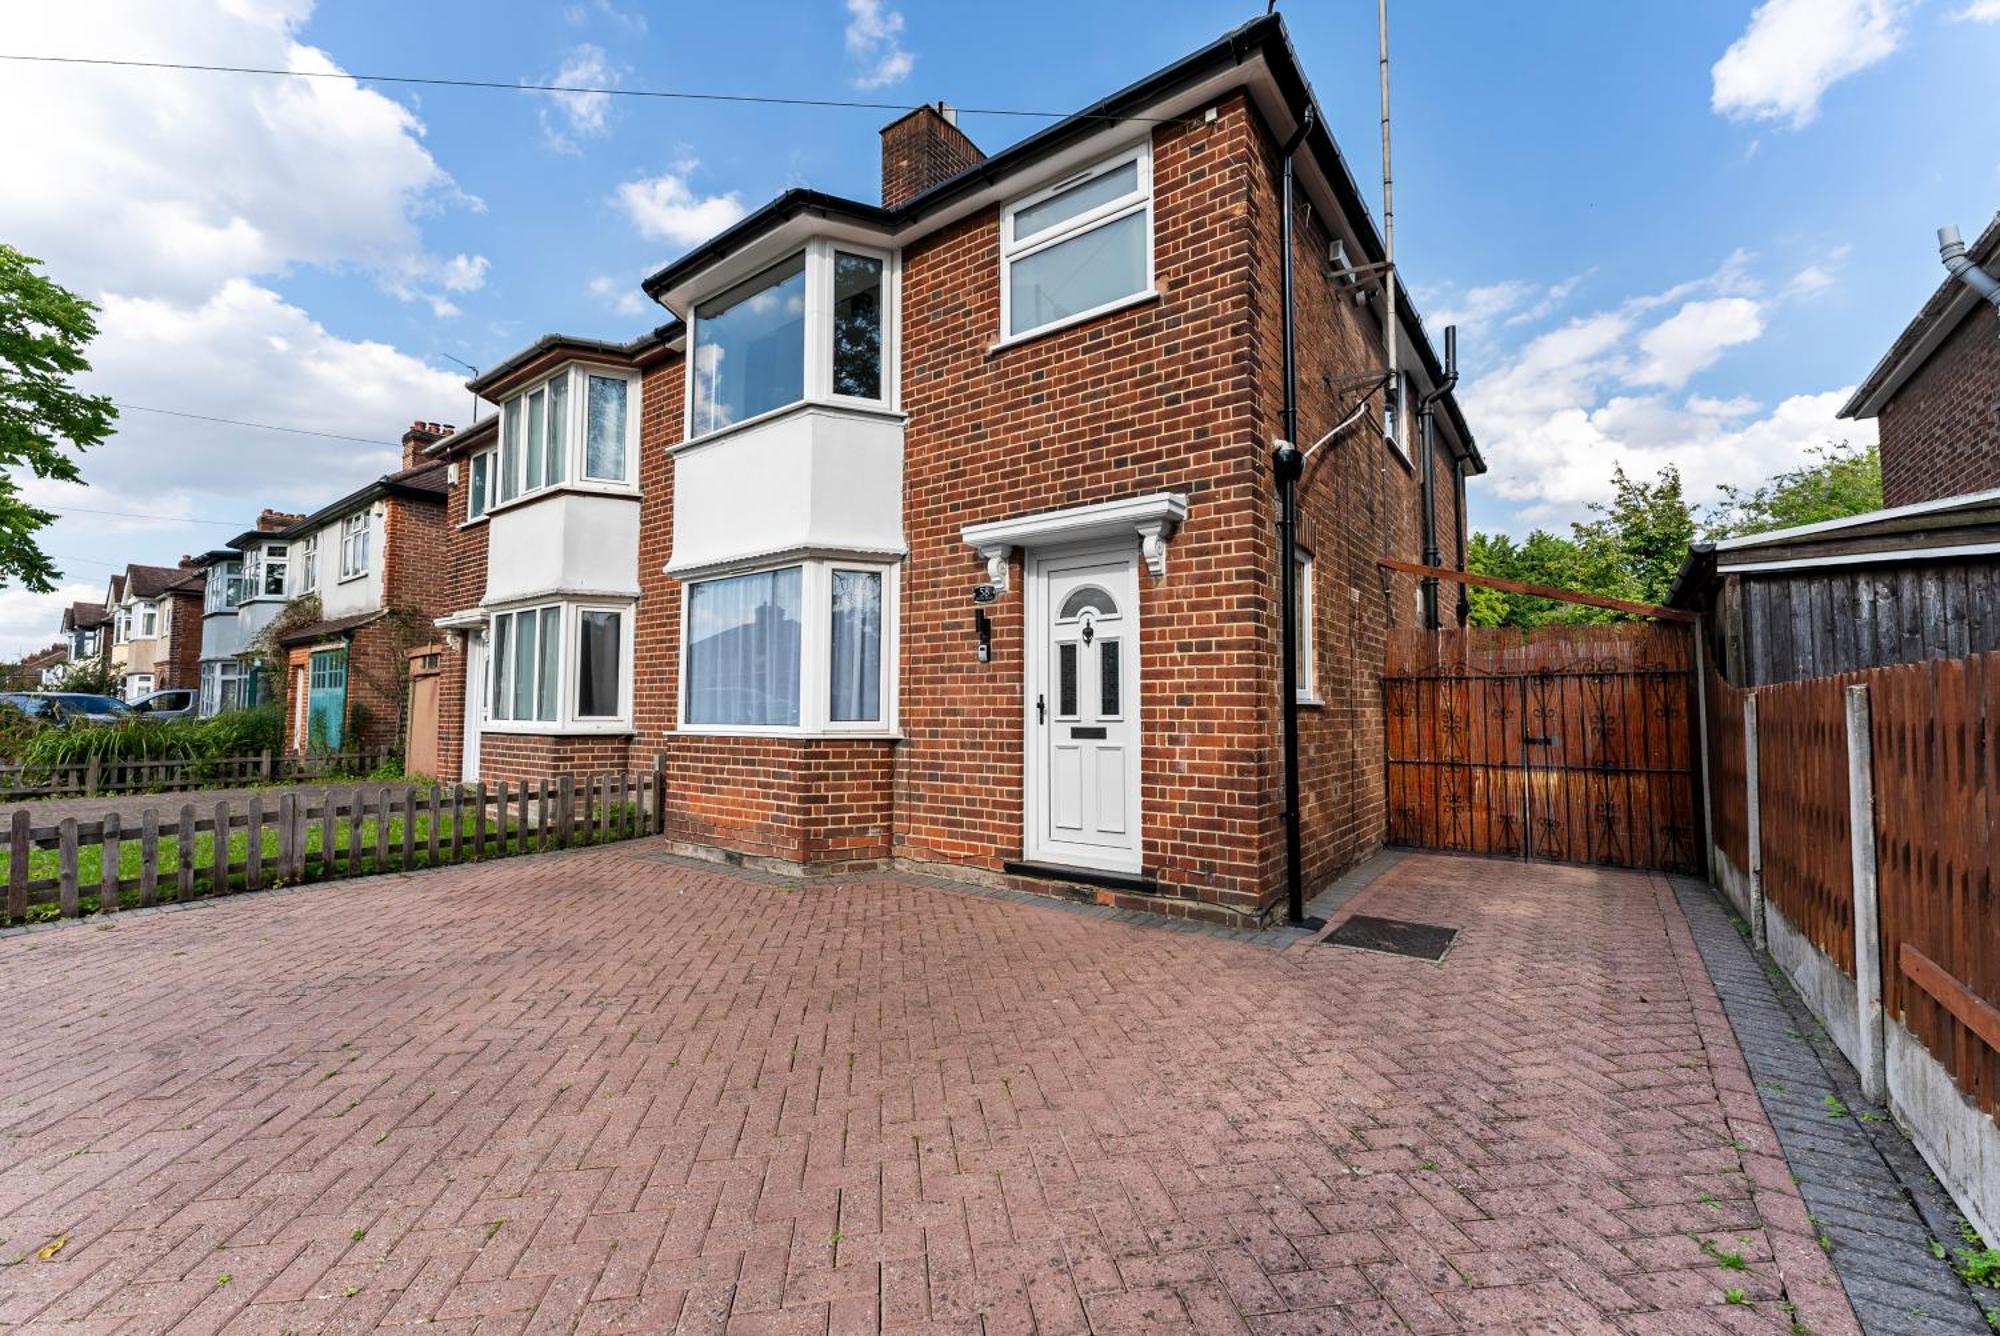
(921, 149)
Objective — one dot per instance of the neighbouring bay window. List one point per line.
(802, 648)
(309, 564)
(815, 326)
(222, 686)
(121, 625)
(224, 588)
(277, 561)
(147, 621)
(354, 545)
(580, 423)
(561, 664)
(1079, 247)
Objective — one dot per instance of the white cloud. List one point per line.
(1693, 339)
(1979, 11)
(29, 621)
(622, 295)
(579, 115)
(580, 14)
(165, 183)
(874, 38)
(1606, 389)
(666, 208)
(1794, 50)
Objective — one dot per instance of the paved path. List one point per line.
(599, 1091)
(1876, 1205)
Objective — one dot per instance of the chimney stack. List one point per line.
(420, 435)
(270, 521)
(921, 149)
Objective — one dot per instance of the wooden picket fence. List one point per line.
(96, 777)
(292, 838)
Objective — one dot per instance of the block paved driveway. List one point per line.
(605, 1092)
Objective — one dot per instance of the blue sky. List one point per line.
(1671, 233)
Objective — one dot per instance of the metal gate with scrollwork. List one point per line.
(1571, 744)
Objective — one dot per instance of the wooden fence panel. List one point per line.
(1802, 799)
(1938, 839)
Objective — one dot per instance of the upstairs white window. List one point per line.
(277, 560)
(816, 326)
(121, 624)
(223, 589)
(479, 471)
(1079, 247)
(1399, 413)
(354, 545)
(581, 423)
(309, 564)
(149, 620)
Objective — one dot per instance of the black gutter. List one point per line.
(1427, 414)
(551, 342)
(1286, 466)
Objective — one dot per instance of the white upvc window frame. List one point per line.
(1306, 683)
(355, 556)
(569, 624)
(815, 651)
(575, 454)
(223, 590)
(1399, 428)
(817, 380)
(276, 557)
(479, 469)
(307, 565)
(146, 620)
(1013, 250)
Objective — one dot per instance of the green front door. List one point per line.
(326, 699)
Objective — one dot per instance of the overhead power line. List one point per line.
(675, 95)
(262, 426)
(60, 510)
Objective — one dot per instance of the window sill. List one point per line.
(610, 728)
(1071, 322)
(624, 490)
(856, 407)
(1311, 701)
(793, 734)
(1400, 455)
(473, 522)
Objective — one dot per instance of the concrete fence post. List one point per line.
(1867, 903)
(1756, 841)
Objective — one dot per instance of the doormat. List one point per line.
(1424, 941)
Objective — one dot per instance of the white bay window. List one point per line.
(805, 648)
(814, 327)
(561, 667)
(1078, 248)
(580, 423)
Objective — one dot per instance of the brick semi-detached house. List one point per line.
(1935, 395)
(957, 548)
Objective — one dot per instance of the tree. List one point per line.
(1633, 549)
(1841, 480)
(44, 329)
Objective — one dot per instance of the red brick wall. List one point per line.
(918, 151)
(415, 563)
(817, 803)
(513, 756)
(462, 586)
(1941, 433)
(181, 667)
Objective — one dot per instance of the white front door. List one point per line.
(475, 703)
(1082, 724)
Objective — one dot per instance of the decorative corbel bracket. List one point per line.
(997, 557)
(1153, 537)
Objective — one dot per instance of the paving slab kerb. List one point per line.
(603, 1092)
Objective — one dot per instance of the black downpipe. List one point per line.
(1286, 465)
(1458, 483)
(1428, 416)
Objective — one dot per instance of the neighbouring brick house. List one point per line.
(248, 583)
(1935, 395)
(371, 560)
(157, 624)
(957, 550)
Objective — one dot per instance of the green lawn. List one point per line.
(47, 863)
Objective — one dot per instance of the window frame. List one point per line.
(1306, 680)
(146, 611)
(574, 377)
(278, 557)
(817, 379)
(223, 590)
(479, 470)
(815, 651)
(569, 623)
(308, 565)
(349, 531)
(1397, 430)
(1013, 250)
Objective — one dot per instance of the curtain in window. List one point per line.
(503, 694)
(743, 649)
(545, 694)
(510, 450)
(604, 453)
(558, 426)
(524, 665)
(857, 646)
(537, 425)
(597, 664)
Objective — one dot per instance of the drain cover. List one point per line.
(1425, 941)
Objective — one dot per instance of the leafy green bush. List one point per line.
(16, 730)
(238, 733)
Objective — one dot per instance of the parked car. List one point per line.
(69, 707)
(174, 703)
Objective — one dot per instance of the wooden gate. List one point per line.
(1573, 744)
